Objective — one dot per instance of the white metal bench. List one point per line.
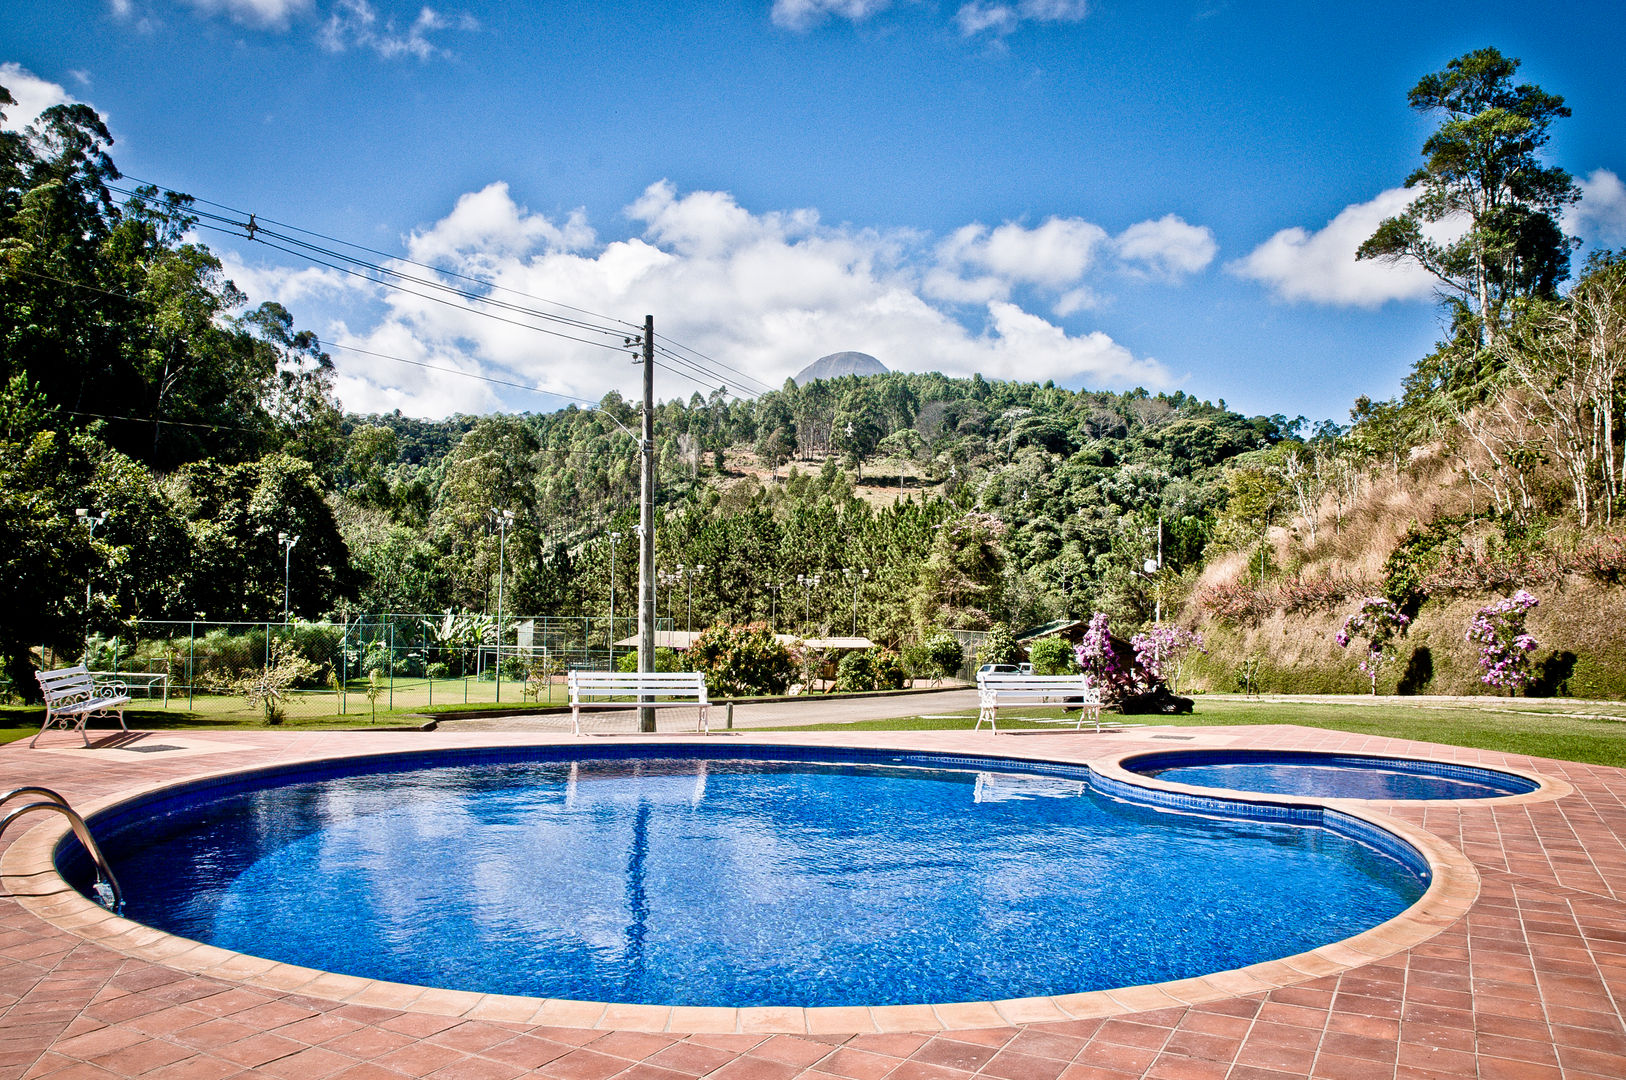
(73, 696)
(995, 689)
(631, 690)
(145, 680)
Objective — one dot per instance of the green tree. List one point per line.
(1482, 162)
(1052, 656)
(742, 660)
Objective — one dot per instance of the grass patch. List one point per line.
(1548, 733)
(23, 721)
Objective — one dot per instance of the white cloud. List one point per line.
(764, 293)
(1600, 217)
(1168, 247)
(34, 95)
(353, 24)
(263, 14)
(1055, 254)
(1321, 266)
(1001, 18)
(803, 15)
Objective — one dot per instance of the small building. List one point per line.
(1069, 630)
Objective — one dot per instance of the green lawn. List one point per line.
(1547, 732)
(1542, 729)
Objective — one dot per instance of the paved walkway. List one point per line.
(1528, 984)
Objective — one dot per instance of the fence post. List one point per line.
(191, 653)
(344, 662)
(392, 663)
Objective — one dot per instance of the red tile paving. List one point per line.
(1528, 985)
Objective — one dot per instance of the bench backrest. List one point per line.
(1016, 684)
(65, 683)
(642, 684)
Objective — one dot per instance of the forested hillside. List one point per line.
(138, 382)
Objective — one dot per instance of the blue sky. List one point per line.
(1102, 192)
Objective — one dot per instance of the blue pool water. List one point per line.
(1342, 776)
(836, 878)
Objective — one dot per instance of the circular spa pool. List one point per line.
(1332, 776)
(742, 876)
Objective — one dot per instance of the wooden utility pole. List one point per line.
(646, 524)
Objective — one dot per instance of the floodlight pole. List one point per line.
(287, 541)
(91, 519)
(856, 576)
(646, 522)
(615, 540)
(504, 518)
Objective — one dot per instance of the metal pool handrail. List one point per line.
(113, 897)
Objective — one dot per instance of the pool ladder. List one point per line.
(106, 888)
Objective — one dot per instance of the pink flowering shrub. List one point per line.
(1378, 621)
(1506, 649)
(1159, 650)
(1109, 663)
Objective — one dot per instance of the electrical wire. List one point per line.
(384, 254)
(252, 230)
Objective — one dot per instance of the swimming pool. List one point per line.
(739, 877)
(1341, 776)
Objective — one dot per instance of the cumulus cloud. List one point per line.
(803, 15)
(764, 293)
(1167, 247)
(1320, 266)
(261, 14)
(1600, 217)
(354, 24)
(33, 94)
(1001, 18)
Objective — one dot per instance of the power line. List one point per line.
(252, 230)
(384, 254)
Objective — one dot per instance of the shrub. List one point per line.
(665, 660)
(1506, 649)
(1108, 662)
(999, 647)
(1603, 558)
(1052, 656)
(1160, 650)
(1234, 603)
(1322, 594)
(741, 661)
(946, 654)
(869, 669)
(1379, 621)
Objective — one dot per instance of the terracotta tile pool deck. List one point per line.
(1523, 975)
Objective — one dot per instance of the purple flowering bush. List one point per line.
(1507, 652)
(1108, 662)
(1378, 622)
(1159, 650)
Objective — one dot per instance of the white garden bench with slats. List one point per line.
(996, 689)
(72, 696)
(631, 690)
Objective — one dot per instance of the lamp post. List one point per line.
(287, 540)
(503, 518)
(808, 582)
(670, 578)
(1154, 570)
(857, 577)
(90, 519)
(689, 576)
(774, 589)
(615, 538)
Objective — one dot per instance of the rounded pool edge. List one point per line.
(1547, 788)
(28, 872)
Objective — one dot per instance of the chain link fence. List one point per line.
(363, 666)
